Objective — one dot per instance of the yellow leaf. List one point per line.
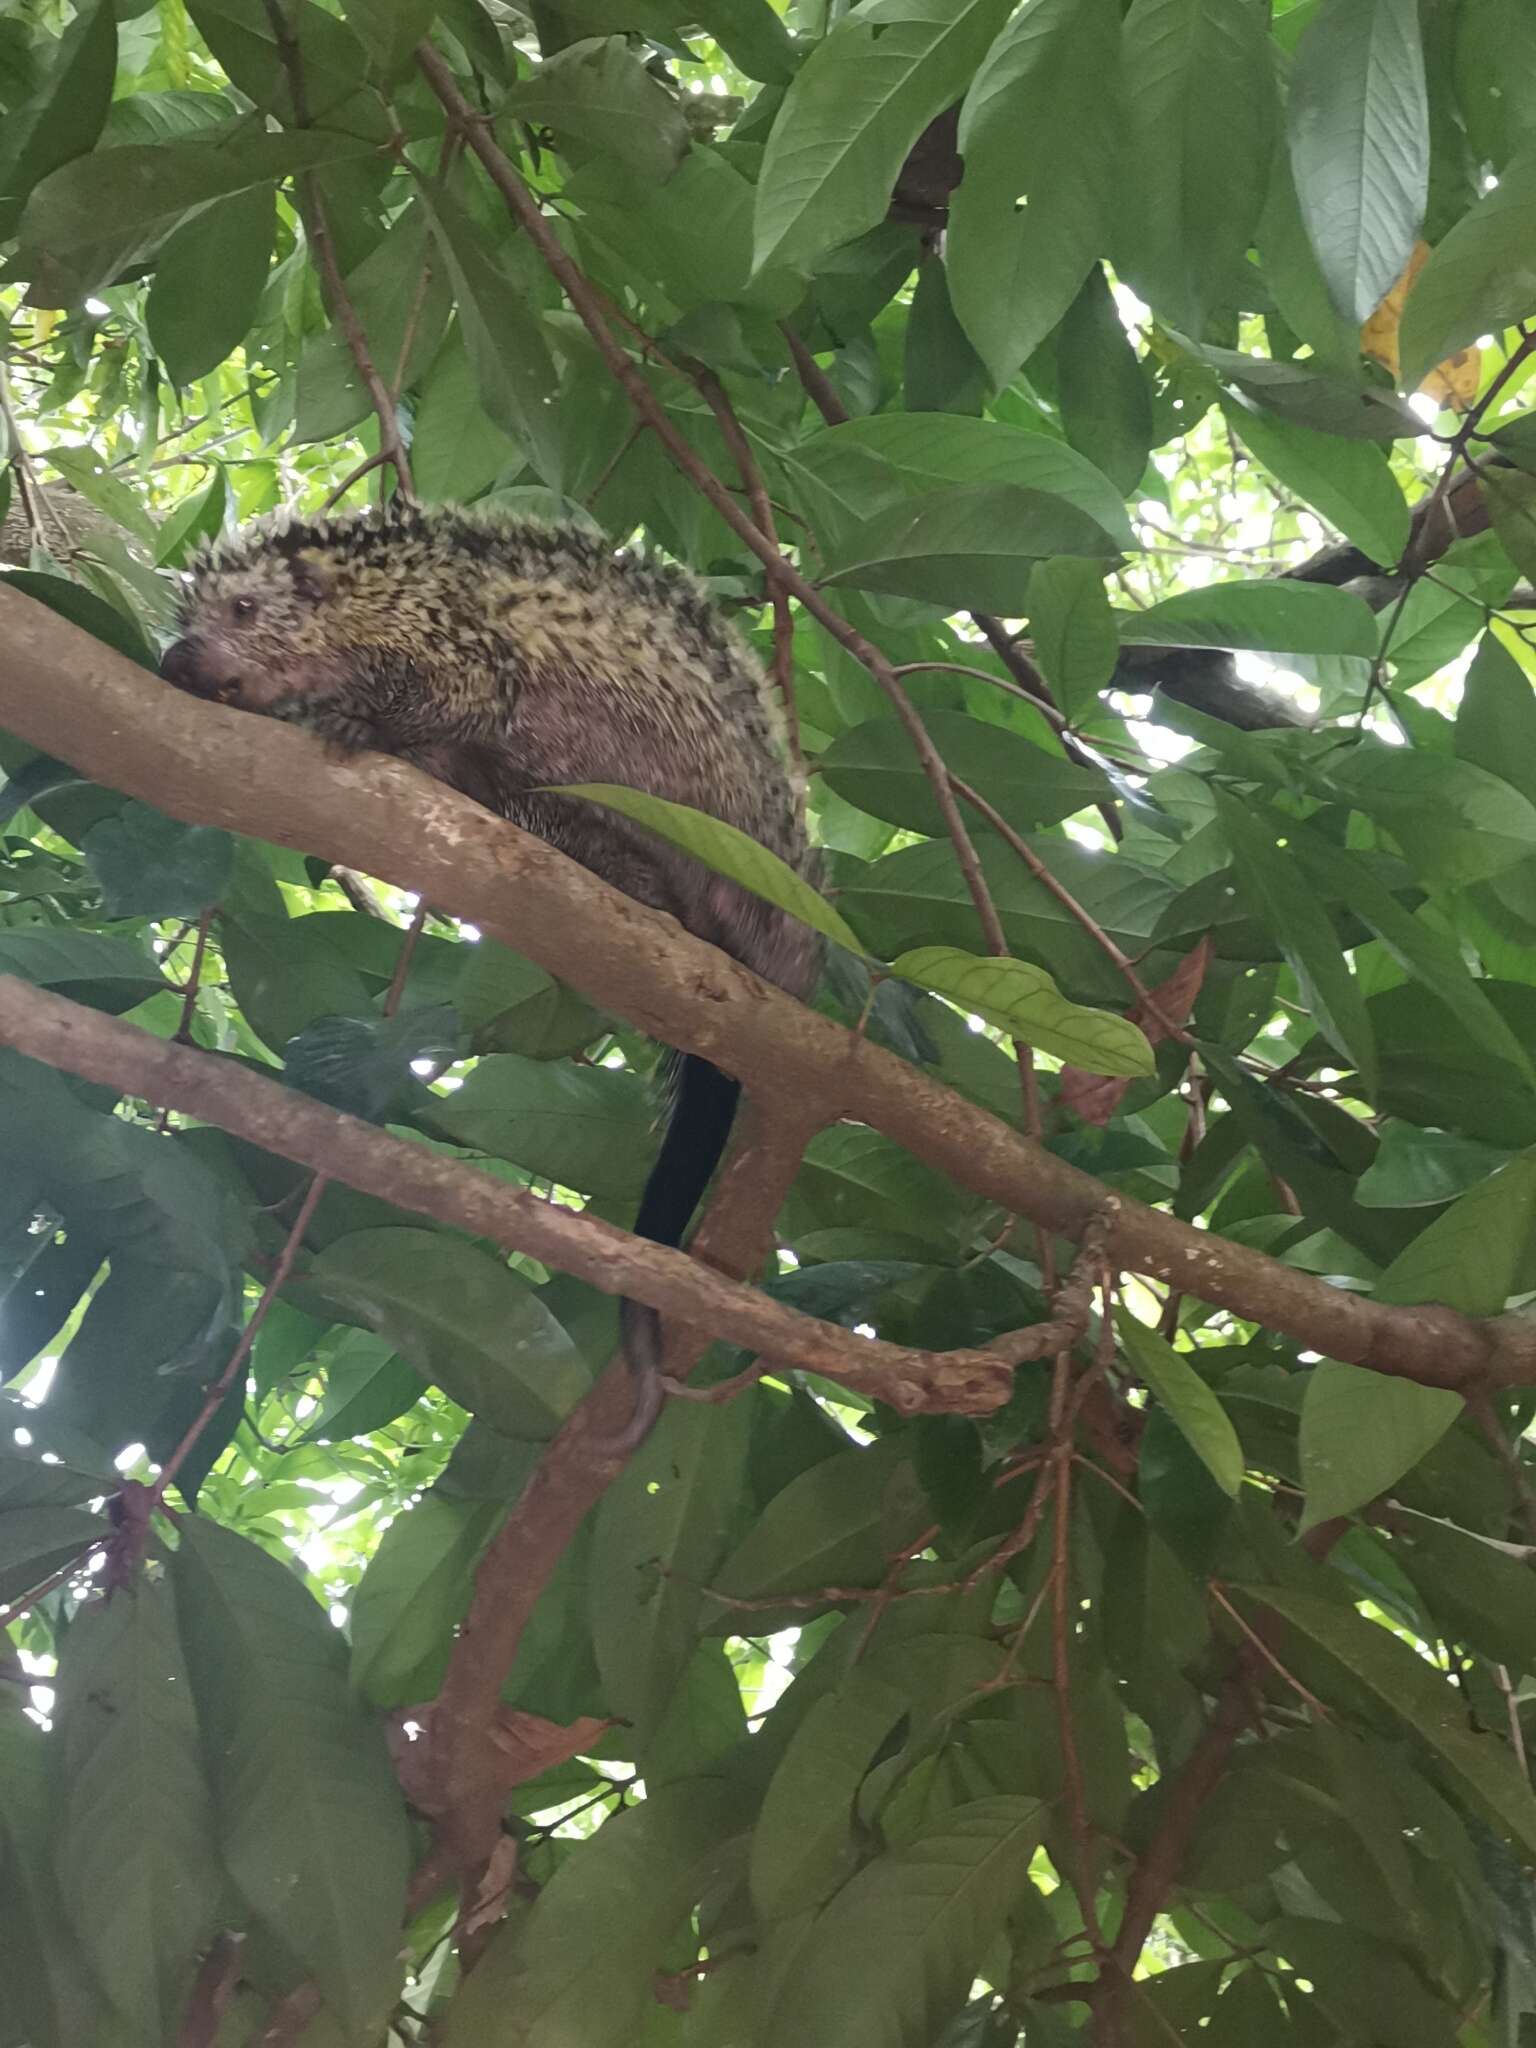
(1455, 382)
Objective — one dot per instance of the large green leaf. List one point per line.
(724, 848)
(134, 1798)
(311, 1824)
(1410, 1692)
(970, 546)
(192, 328)
(1358, 121)
(413, 1595)
(1026, 1003)
(103, 213)
(1282, 617)
(1199, 135)
(64, 116)
(464, 1320)
(89, 967)
(1476, 1255)
(1289, 903)
(853, 112)
(1455, 822)
(599, 93)
(1200, 1417)
(876, 768)
(1038, 131)
(850, 473)
(1349, 482)
(1073, 629)
(581, 1967)
(891, 1960)
(1361, 1431)
(1480, 277)
(661, 1531)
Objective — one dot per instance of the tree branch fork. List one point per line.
(205, 764)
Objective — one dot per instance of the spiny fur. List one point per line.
(505, 656)
(502, 655)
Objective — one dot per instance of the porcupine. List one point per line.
(503, 657)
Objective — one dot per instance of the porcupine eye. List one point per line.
(244, 609)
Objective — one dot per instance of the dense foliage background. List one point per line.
(1067, 354)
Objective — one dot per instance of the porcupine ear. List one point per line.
(312, 575)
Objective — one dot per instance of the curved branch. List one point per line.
(64, 1034)
(77, 699)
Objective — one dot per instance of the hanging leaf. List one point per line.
(1026, 1003)
(740, 858)
(1361, 1431)
(1480, 277)
(1200, 1417)
(1359, 139)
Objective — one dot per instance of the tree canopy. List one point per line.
(1083, 1591)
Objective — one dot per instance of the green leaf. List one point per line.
(1479, 278)
(1412, 1693)
(893, 1957)
(1073, 629)
(1038, 132)
(1106, 404)
(464, 1320)
(36, 1541)
(875, 767)
(89, 475)
(1349, 482)
(1496, 721)
(588, 1128)
(505, 341)
(63, 116)
(1434, 960)
(198, 518)
(722, 848)
(1495, 66)
(134, 1798)
(389, 31)
(311, 1823)
(1282, 617)
(149, 865)
(1364, 1984)
(970, 546)
(662, 1529)
(1200, 1417)
(1361, 1431)
(1478, 1253)
(1273, 879)
(192, 328)
(580, 1968)
(941, 371)
(103, 213)
(244, 42)
(600, 93)
(108, 974)
(414, 1593)
(850, 473)
(49, 1993)
(1025, 1002)
(852, 114)
(751, 35)
(829, 1526)
(1456, 823)
(1416, 1169)
(1358, 123)
(1476, 1590)
(1511, 498)
(1196, 149)
(83, 608)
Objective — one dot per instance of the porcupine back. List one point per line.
(506, 656)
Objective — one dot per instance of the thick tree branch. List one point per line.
(75, 698)
(63, 1034)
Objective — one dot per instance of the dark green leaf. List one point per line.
(1358, 122)
(1076, 643)
(65, 114)
(1187, 1398)
(970, 546)
(602, 95)
(1474, 1256)
(1272, 618)
(149, 865)
(853, 112)
(1289, 903)
(875, 767)
(1199, 134)
(1038, 132)
(194, 329)
(463, 1320)
(1106, 405)
(1361, 1431)
(311, 1824)
(1481, 277)
(590, 1128)
(1349, 482)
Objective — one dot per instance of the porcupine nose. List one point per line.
(182, 665)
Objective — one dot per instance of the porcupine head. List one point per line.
(502, 657)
